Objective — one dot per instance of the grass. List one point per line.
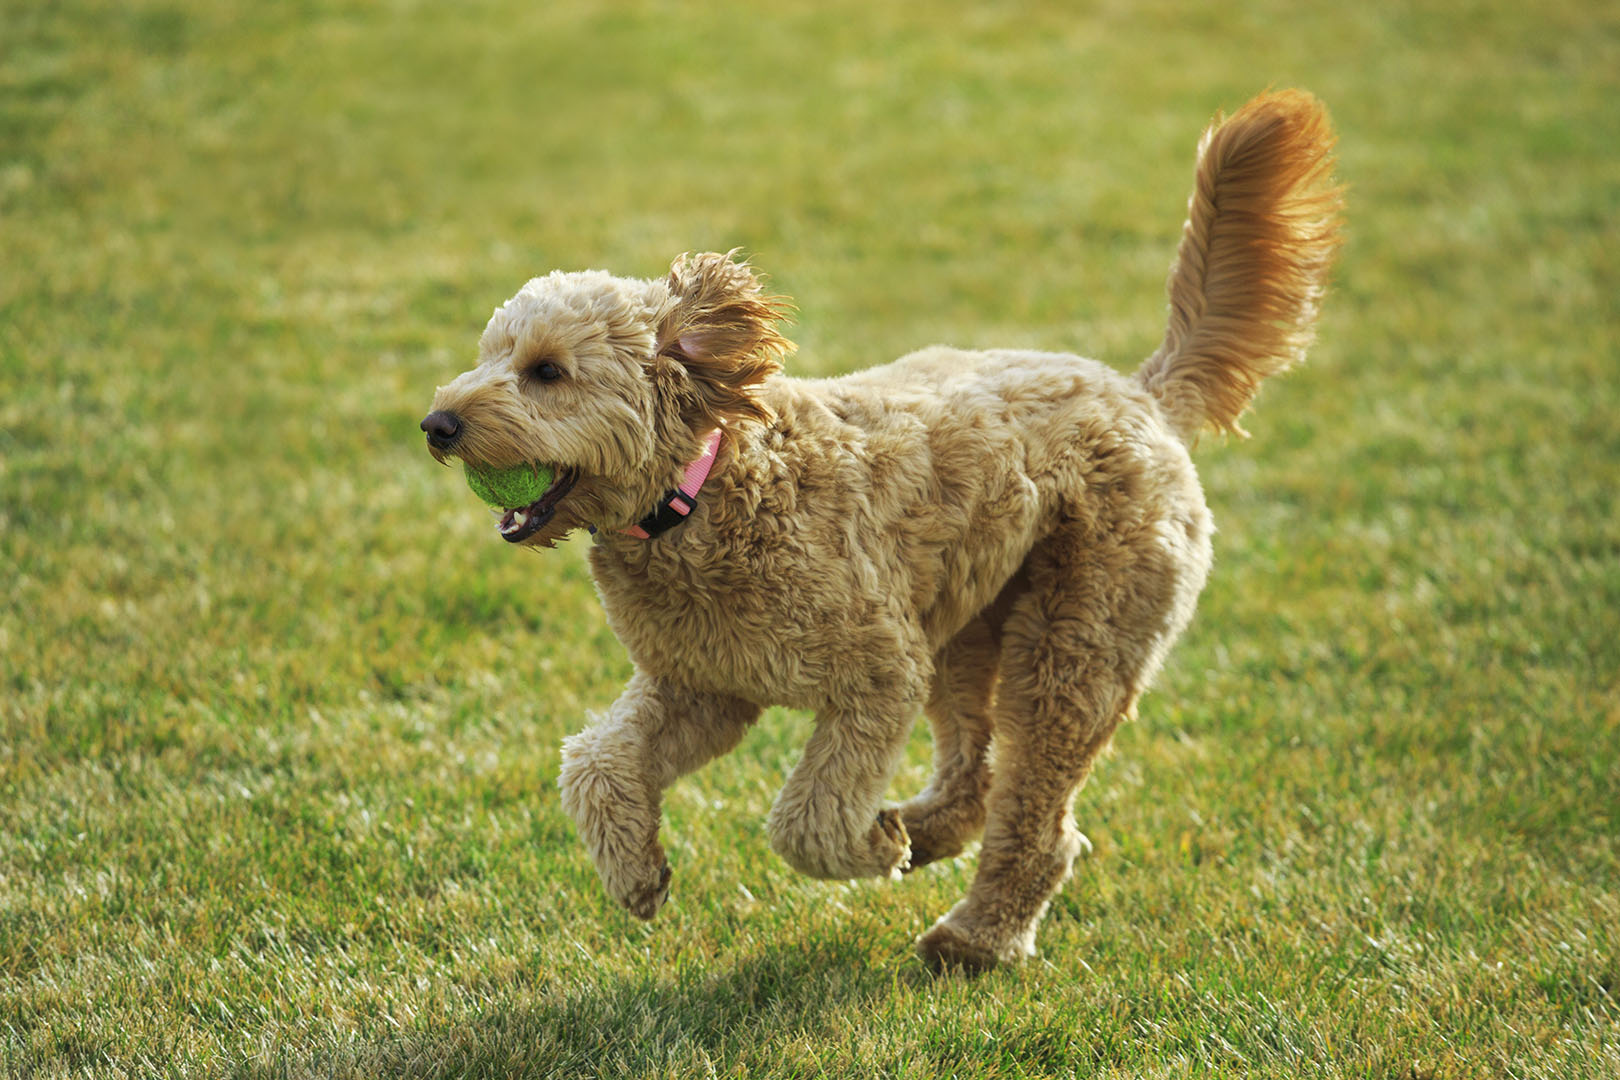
(279, 715)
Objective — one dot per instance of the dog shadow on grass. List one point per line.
(797, 987)
(794, 986)
(793, 992)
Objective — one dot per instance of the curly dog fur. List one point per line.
(1009, 541)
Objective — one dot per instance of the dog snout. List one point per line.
(443, 428)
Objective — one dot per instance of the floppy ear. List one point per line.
(722, 330)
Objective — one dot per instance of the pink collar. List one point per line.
(679, 502)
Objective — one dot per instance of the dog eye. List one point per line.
(546, 372)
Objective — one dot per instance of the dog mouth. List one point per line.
(519, 523)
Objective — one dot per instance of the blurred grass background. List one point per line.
(279, 714)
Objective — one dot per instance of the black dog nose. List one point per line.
(442, 428)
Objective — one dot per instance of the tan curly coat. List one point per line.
(1007, 540)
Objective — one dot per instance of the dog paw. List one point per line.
(925, 849)
(891, 844)
(936, 833)
(970, 939)
(643, 894)
(945, 950)
(883, 850)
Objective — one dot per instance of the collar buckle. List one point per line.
(679, 502)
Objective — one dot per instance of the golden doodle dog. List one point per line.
(1009, 541)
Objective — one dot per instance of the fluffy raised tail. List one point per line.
(1262, 229)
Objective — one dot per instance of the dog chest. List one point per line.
(795, 640)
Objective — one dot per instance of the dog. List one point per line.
(1008, 541)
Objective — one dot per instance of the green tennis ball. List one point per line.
(510, 488)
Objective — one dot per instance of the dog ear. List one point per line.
(722, 331)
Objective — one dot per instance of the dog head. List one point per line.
(613, 383)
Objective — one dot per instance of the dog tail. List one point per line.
(1261, 233)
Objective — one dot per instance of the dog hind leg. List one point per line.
(1076, 652)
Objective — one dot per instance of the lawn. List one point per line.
(280, 714)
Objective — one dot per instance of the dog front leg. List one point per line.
(827, 821)
(614, 773)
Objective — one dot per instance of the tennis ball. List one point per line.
(510, 488)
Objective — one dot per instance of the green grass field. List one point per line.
(279, 713)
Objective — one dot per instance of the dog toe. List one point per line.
(645, 902)
(893, 830)
(946, 952)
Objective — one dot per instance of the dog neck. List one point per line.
(679, 501)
